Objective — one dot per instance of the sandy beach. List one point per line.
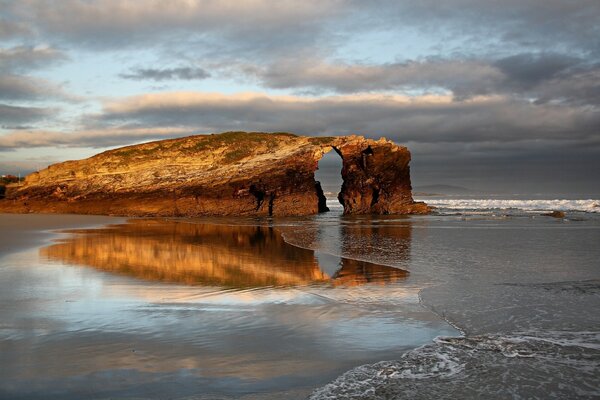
(19, 232)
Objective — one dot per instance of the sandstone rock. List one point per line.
(233, 173)
(555, 214)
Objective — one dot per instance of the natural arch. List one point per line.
(328, 177)
(232, 173)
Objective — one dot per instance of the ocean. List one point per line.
(483, 298)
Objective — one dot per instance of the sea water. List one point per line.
(482, 301)
(206, 308)
(523, 289)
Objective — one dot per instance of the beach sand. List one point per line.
(19, 232)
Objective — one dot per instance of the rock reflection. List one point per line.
(383, 238)
(207, 254)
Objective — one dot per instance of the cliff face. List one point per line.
(376, 178)
(234, 173)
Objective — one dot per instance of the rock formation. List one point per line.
(233, 173)
(555, 214)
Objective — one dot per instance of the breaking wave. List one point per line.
(589, 205)
(496, 366)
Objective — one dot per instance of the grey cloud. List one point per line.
(421, 121)
(17, 127)
(113, 23)
(532, 24)
(470, 77)
(26, 58)
(9, 29)
(545, 77)
(121, 23)
(182, 73)
(530, 69)
(10, 114)
(17, 87)
(86, 138)
(317, 74)
(580, 86)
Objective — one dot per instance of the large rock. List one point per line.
(233, 173)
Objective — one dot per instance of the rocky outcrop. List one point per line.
(376, 178)
(233, 173)
(555, 214)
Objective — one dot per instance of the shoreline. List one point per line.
(33, 230)
(49, 225)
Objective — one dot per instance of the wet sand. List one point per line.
(157, 309)
(19, 232)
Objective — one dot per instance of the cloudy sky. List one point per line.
(493, 95)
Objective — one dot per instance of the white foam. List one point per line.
(334, 204)
(467, 361)
(587, 205)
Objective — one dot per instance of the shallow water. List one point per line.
(247, 308)
(523, 288)
(157, 308)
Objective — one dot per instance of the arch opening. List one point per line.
(329, 177)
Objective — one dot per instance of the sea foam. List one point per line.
(588, 205)
(493, 366)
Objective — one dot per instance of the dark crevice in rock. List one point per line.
(365, 154)
(259, 194)
(271, 201)
(375, 198)
(322, 199)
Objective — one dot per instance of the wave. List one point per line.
(588, 205)
(334, 204)
(522, 365)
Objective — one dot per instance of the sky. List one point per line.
(500, 96)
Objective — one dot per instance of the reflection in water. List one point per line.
(208, 254)
(379, 237)
(273, 321)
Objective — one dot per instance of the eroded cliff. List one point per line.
(233, 173)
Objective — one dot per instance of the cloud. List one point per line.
(10, 29)
(428, 119)
(291, 23)
(86, 138)
(468, 76)
(417, 118)
(580, 86)
(10, 114)
(543, 77)
(121, 23)
(26, 58)
(182, 73)
(529, 69)
(533, 24)
(18, 87)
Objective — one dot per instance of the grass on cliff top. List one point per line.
(241, 144)
(244, 143)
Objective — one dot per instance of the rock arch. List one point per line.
(233, 173)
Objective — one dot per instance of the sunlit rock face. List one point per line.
(376, 178)
(208, 254)
(234, 173)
